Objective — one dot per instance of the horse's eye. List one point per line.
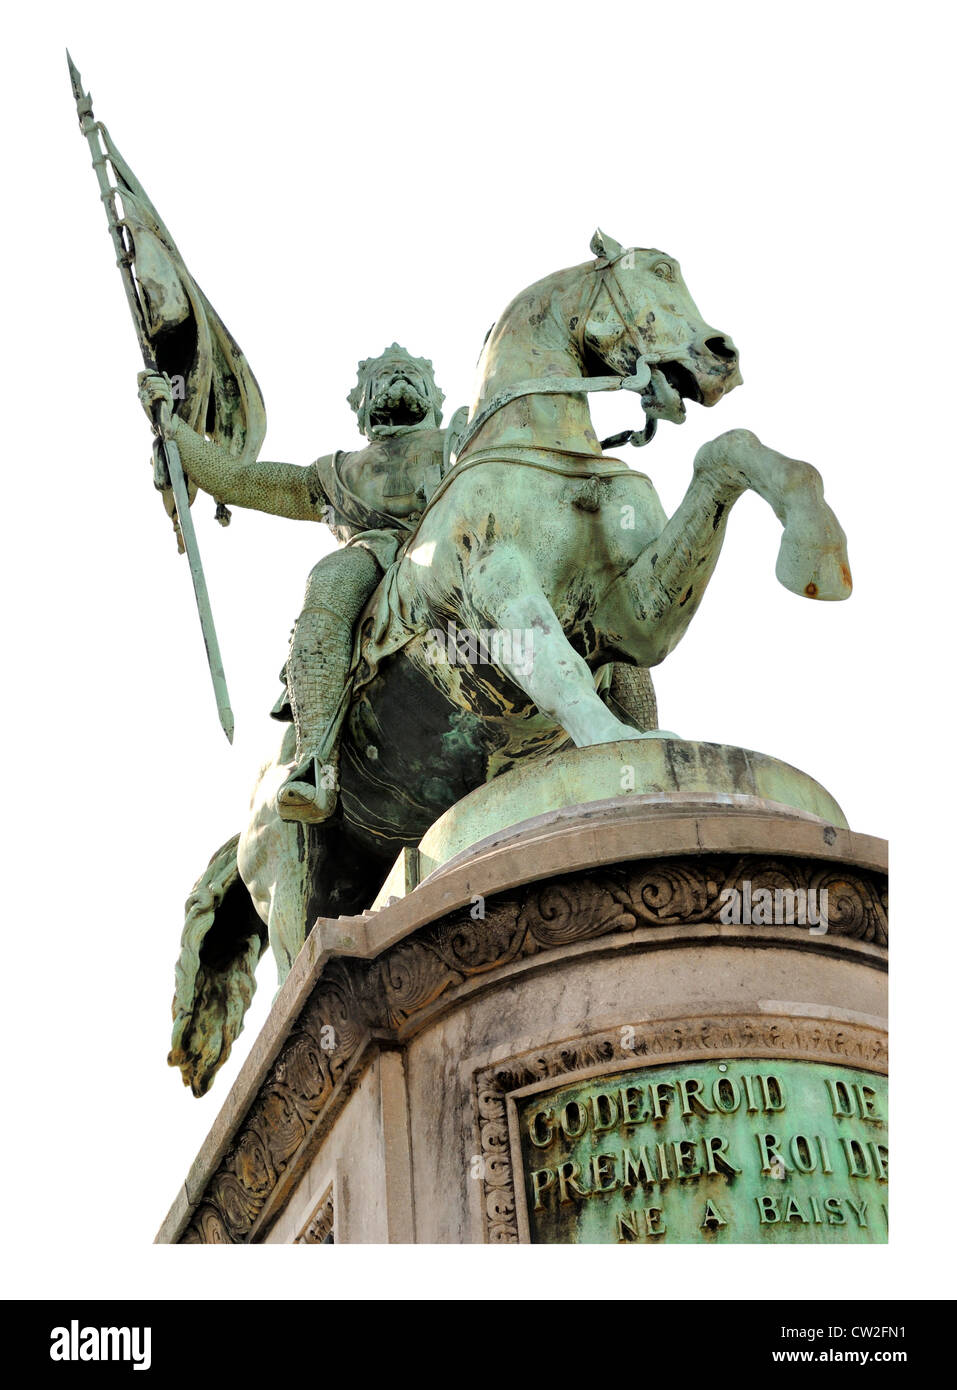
(663, 271)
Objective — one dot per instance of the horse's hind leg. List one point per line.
(532, 649)
(274, 864)
(275, 868)
(289, 904)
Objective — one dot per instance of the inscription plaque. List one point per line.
(742, 1150)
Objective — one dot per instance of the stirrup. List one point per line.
(301, 800)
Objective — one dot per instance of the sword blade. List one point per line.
(174, 467)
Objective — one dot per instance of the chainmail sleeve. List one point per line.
(281, 489)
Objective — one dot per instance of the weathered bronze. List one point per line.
(724, 1151)
(371, 499)
(503, 589)
(535, 537)
(164, 301)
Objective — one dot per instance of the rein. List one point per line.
(564, 385)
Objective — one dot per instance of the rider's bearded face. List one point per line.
(398, 398)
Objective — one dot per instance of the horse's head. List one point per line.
(396, 393)
(640, 316)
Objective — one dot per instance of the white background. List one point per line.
(337, 177)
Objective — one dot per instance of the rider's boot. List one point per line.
(319, 659)
(631, 695)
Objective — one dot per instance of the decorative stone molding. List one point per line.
(319, 1229)
(667, 1040)
(387, 996)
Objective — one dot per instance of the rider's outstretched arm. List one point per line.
(282, 489)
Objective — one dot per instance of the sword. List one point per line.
(166, 446)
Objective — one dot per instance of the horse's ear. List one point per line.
(604, 247)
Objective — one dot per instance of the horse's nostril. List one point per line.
(721, 348)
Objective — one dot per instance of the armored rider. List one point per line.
(371, 499)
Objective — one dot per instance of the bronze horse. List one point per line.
(535, 536)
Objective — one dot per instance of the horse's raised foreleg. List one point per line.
(536, 654)
(812, 559)
(647, 610)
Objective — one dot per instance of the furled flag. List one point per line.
(214, 389)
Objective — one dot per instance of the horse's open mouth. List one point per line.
(681, 380)
(664, 396)
(670, 385)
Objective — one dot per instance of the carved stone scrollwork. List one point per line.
(570, 910)
(670, 892)
(206, 1228)
(418, 971)
(857, 906)
(356, 998)
(673, 892)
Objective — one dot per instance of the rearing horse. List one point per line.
(536, 537)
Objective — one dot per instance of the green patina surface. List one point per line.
(723, 1151)
(578, 776)
(509, 524)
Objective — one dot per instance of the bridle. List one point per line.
(607, 279)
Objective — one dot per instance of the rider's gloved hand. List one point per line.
(155, 389)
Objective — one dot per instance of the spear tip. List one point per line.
(75, 79)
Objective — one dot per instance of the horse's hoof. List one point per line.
(298, 801)
(811, 568)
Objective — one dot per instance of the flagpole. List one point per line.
(168, 449)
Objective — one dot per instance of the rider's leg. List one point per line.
(538, 656)
(319, 660)
(630, 694)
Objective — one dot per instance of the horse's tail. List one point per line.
(222, 941)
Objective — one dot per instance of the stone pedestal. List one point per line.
(593, 1022)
